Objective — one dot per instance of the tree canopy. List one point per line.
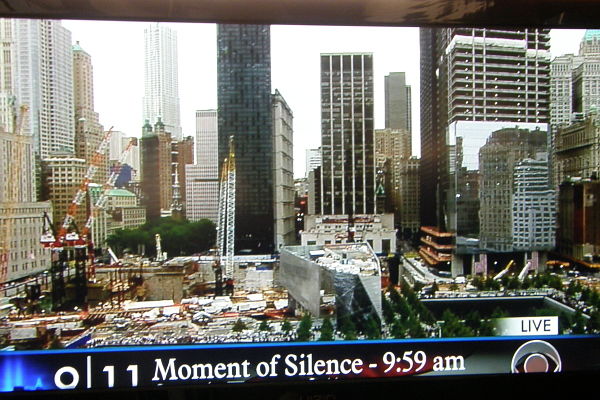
(326, 330)
(178, 238)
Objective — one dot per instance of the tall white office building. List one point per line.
(533, 205)
(41, 60)
(161, 83)
(285, 194)
(207, 142)
(202, 178)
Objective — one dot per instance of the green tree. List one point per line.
(453, 327)
(499, 313)
(264, 326)
(593, 324)
(555, 282)
(570, 290)
(347, 327)
(414, 328)
(594, 299)
(473, 320)
(394, 295)
(326, 330)
(303, 333)
(425, 314)
(578, 323)
(477, 281)
(564, 322)
(585, 294)
(373, 328)
(492, 284)
(238, 326)
(388, 311)
(487, 328)
(400, 305)
(513, 283)
(398, 331)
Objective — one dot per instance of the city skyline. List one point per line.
(295, 52)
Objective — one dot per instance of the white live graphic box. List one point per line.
(527, 326)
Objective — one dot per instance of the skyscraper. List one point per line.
(516, 203)
(475, 75)
(157, 170)
(313, 159)
(44, 61)
(207, 142)
(347, 185)
(7, 75)
(88, 131)
(283, 134)
(202, 178)
(61, 176)
(575, 80)
(398, 97)
(161, 83)
(245, 112)
(393, 148)
(586, 79)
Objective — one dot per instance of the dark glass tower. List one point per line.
(347, 135)
(245, 112)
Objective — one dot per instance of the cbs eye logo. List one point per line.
(536, 356)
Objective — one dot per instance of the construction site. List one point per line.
(213, 297)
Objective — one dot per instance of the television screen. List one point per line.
(306, 211)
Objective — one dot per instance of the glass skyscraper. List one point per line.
(245, 112)
(347, 135)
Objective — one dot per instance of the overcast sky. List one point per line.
(117, 50)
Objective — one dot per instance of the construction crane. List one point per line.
(226, 222)
(15, 169)
(83, 188)
(67, 246)
(100, 203)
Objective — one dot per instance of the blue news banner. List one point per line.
(151, 366)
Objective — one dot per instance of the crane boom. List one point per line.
(83, 187)
(226, 226)
(109, 184)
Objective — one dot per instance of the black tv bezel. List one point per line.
(501, 13)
